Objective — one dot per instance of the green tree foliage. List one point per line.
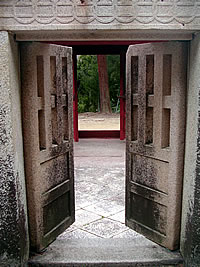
(88, 82)
(113, 62)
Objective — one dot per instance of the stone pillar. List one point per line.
(190, 234)
(13, 214)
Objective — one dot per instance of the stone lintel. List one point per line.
(59, 34)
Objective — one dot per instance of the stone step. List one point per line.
(105, 252)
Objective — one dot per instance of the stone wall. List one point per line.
(190, 236)
(13, 215)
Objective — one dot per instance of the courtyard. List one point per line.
(99, 234)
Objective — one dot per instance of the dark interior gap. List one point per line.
(54, 120)
(166, 128)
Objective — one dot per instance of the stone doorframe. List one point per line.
(13, 220)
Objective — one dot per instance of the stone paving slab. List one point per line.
(77, 234)
(120, 217)
(105, 208)
(103, 175)
(69, 229)
(96, 161)
(91, 189)
(137, 238)
(111, 148)
(118, 199)
(105, 252)
(105, 228)
(83, 201)
(84, 217)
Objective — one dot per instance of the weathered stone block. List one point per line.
(13, 218)
(190, 236)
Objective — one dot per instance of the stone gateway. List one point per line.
(162, 117)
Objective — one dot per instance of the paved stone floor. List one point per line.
(100, 190)
(99, 236)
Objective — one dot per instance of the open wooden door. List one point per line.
(156, 89)
(46, 72)
(75, 99)
(122, 95)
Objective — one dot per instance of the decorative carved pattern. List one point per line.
(36, 12)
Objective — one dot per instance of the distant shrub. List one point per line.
(88, 82)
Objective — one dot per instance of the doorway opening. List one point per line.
(99, 189)
(94, 48)
(142, 157)
(99, 159)
(98, 86)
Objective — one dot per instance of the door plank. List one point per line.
(156, 90)
(48, 140)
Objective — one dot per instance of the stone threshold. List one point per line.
(105, 252)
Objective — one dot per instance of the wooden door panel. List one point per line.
(122, 95)
(146, 170)
(156, 89)
(48, 144)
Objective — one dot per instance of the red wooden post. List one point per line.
(122, 95)
(75, 98)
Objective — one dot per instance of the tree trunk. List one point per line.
(105, 106)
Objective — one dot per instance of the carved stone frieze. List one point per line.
(179, 13)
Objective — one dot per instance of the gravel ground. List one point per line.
(98, 121)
